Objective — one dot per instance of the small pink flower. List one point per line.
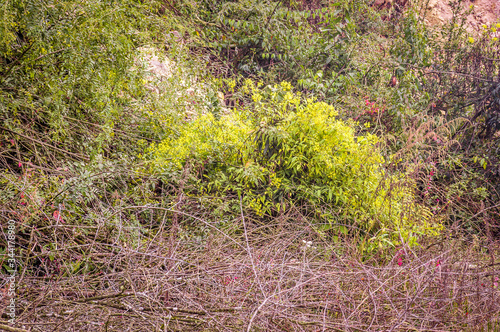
(438, 263)
(57, 216)
(20, 165)
(400, 261)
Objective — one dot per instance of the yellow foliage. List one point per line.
(287, 151)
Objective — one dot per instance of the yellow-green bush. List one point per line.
(285, 151)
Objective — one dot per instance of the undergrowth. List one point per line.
(247, 165)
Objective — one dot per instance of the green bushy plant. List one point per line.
(312, 45)
(289, 152)
(463, 82)
(66, 85)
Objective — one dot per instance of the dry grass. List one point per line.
(250, 277)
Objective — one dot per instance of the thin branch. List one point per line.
(46, 144)
(11, 329)
(58, 51)
(18, 59)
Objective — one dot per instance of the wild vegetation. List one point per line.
(248, 165)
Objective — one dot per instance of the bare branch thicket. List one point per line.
(248, 277)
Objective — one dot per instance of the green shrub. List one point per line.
(66, 84)
(286, 151)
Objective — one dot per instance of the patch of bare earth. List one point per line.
(483, 12)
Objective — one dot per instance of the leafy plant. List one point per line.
(289, 152)
(65, 78)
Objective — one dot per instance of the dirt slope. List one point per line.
(483, 12)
